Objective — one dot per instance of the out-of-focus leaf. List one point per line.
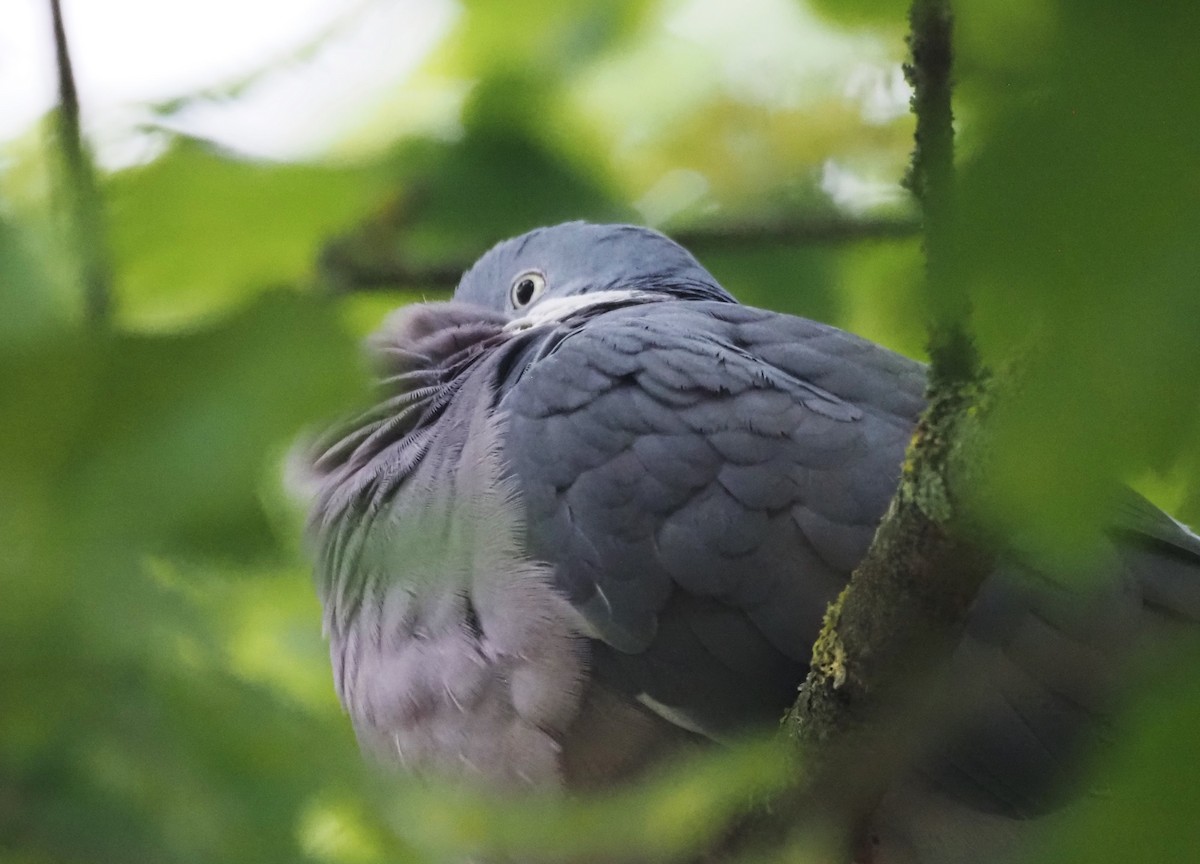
(1077, 232)
(755, 121)
(196, 232)
(767, 165)
(669, 817)
(1145, 804)
(503, 173)
(267, 621)
(995, 40)
(454, 200)
(155, 758)
(120, 446)
(27, 304)
(887, 13)
(799, 281)
(122, 735)
(879, 286)
(178, 426)
(507, 35)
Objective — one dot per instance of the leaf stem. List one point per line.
(85, 205)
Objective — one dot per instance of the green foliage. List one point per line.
(124, 734)
(506, 36)
(498, 180)
(881, 13)
(27, 307)
(1144, 804)
(196, 232)
(1076, 233)
(669, 817)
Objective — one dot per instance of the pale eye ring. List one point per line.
(526, 288)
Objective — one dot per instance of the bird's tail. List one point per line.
(1164, 556)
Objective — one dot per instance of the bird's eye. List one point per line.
(526, 288)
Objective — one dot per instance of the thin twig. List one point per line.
(87, 223)
(346, 272)
(931, 179)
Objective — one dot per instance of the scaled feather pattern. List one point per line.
(597, 520)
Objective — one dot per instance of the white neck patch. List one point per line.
(557, 308)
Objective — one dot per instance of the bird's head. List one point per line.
(551, 271)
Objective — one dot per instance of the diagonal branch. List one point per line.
(905, 607)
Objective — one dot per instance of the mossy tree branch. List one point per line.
(905, 606)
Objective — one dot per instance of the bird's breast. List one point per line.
(453, 651)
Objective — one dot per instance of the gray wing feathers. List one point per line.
(700, 479)
(660, 452)
(716, 472)
(1164, 554)
(1045, 661)
(708, 670)
(1034, 685)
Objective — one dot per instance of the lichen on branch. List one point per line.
(898, 620)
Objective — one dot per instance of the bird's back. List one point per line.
(561, 551)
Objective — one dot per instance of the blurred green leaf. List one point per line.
(880, 291)
(511, 35)
(1145, 803)
(196, 232)
(888, 13)
(996, 40)
(122, 735)
(670, 816)
(1079, 207)
(482, 187)
(157, 443)
(789, 279)
(27, 304)
(455, 200)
